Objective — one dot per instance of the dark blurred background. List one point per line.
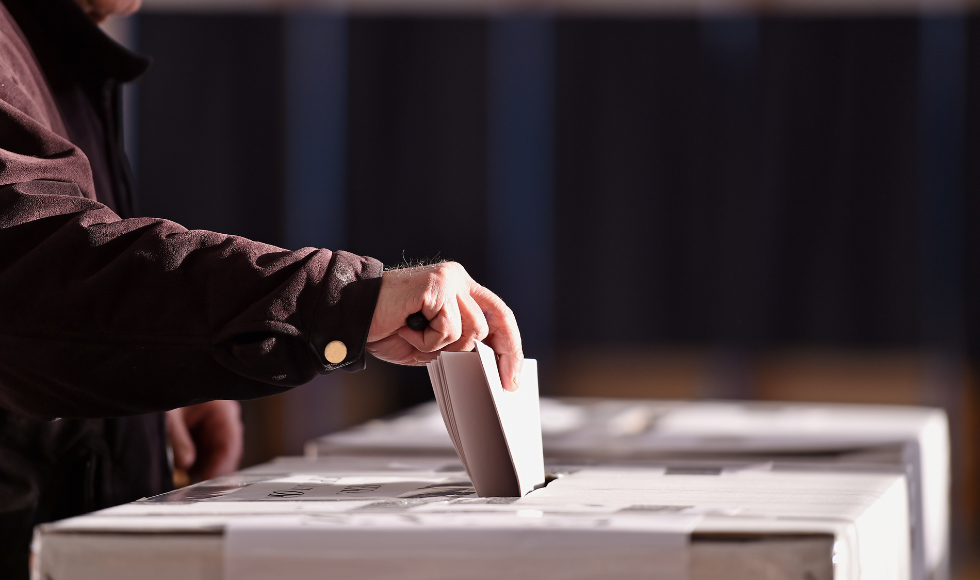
(750, 206)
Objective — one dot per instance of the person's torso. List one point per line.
(55, 469)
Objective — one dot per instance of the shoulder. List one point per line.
(22, 84)
(33, 141)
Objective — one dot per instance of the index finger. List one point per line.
(504, 337)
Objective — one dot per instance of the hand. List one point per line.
(99, 10)
(207, 439)
(460, 313)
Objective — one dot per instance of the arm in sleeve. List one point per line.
(101, 316)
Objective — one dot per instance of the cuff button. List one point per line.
(335, 352)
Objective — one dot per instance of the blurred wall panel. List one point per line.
(417, 140)
(315, 200)
(638, 371)
(520, 204)
(842, 160)
(739, 227)
(626, 99)
(211, 110)
(738, 182)
(971, 190)
(315, 116)
(942, 93)
(417, 148)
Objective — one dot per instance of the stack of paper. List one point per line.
(790, 435)
(414, 518)
(496, 433)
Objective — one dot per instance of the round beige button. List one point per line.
(335, 352)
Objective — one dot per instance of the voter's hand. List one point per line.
(460, 313)
(207, 439)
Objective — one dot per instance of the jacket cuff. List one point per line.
(343, 318)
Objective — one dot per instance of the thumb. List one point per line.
(180, 440)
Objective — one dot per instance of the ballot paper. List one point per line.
(496, 433)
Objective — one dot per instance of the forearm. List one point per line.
(103, 316)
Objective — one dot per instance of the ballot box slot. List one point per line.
(756, 537)
(693, 470)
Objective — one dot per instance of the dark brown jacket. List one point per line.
(108, 317)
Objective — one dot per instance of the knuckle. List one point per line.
(438, 279)
(482, 331)
(450, 271)
(431, 288)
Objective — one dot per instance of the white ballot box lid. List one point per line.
(612, 431)
(413, 517)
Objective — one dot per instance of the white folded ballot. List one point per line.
(790, 435)
(496, 433)
(413, 518)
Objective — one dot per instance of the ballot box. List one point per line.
(914, 440)
(414, 518)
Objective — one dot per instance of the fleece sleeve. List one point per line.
(102, 316)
